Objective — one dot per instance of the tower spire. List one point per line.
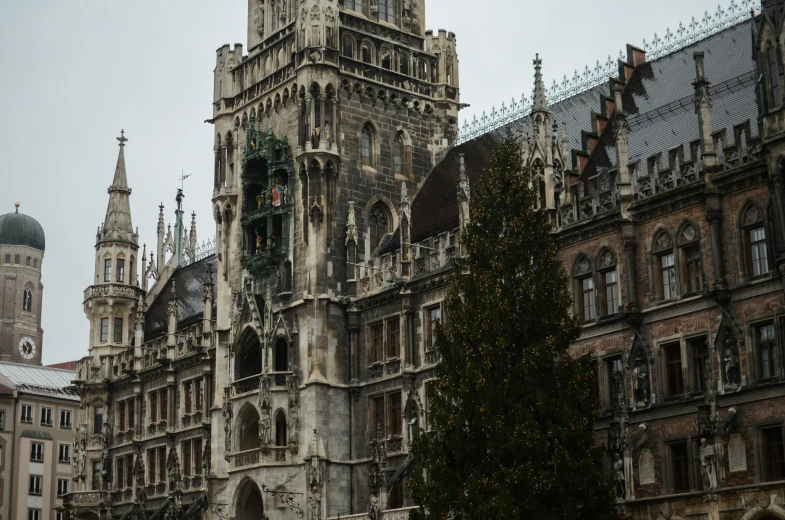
(117, 224)
(540, 101)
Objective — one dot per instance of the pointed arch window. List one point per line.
(609, 281)
(665, 267)
(367, 145)
(281, 356)
(774, 86)
(280, 429)
(35, 263)
(27, 261)
(584, 290)
(378, 223)
(755, 242)
(691, 259)
(398, 154)
(27, 302)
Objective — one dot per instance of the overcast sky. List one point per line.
(74, 73)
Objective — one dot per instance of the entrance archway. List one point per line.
(249, 502)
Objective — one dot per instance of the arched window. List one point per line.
(348, 45)
(27, 301)
(27, 261)
(691, 259)
(398, 154)
(367, 53)
(8, 259)
(16, 259)
(249, 429)
(387, 11)
(378, 223)
(754, 237)
(609, 283)
(281, 356)
(249, 357)
(774, 81)
(585, 295)
(405, 65)
(280, 429)
(664, 267)
(386, 59)
(367, 145)
(35, 263)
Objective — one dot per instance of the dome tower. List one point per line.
(22, 244)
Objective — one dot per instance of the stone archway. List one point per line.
(249, 502)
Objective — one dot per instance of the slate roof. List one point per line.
(189, 282)
(43, 381)
(661, 115)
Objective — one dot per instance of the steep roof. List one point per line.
(44, 381)
(189, 282)
(661, 111)
(118, 226)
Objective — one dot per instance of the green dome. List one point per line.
(17, 229)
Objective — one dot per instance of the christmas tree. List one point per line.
(510, 417)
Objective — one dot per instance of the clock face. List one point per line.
(27, 348)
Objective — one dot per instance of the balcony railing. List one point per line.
(390, 514)
(85, 498)
(247, 458)
(249, 384)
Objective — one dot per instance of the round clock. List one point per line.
(27, 348)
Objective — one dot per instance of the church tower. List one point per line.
(335, 105)
(110, 302)
(22, 244)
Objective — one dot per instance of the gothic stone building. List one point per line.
(340, 194)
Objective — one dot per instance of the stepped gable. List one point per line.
(658, 98)
(189, 290)
(662, 113)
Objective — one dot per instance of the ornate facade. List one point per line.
(296, 358)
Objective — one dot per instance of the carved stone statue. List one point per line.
(373, 511)
(207, 457)
(316, 503)
(708, 461)
(640, 381)
(294, 424)
(618, 476)
(265, 397)
(730, 358)
(264, 428)
(227, 413)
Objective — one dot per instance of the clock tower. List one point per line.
(22, 244)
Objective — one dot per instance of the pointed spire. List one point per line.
(540, 101)
(117, 224)
(120, 178)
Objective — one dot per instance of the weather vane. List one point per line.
(183, 176)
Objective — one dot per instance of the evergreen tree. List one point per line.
(510, 411)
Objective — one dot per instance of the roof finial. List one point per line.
(16, 205)
(122, 138)
(540, 102)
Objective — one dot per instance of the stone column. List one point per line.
(629, 260)
(714, 216)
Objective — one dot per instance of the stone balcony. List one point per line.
(390, 514)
